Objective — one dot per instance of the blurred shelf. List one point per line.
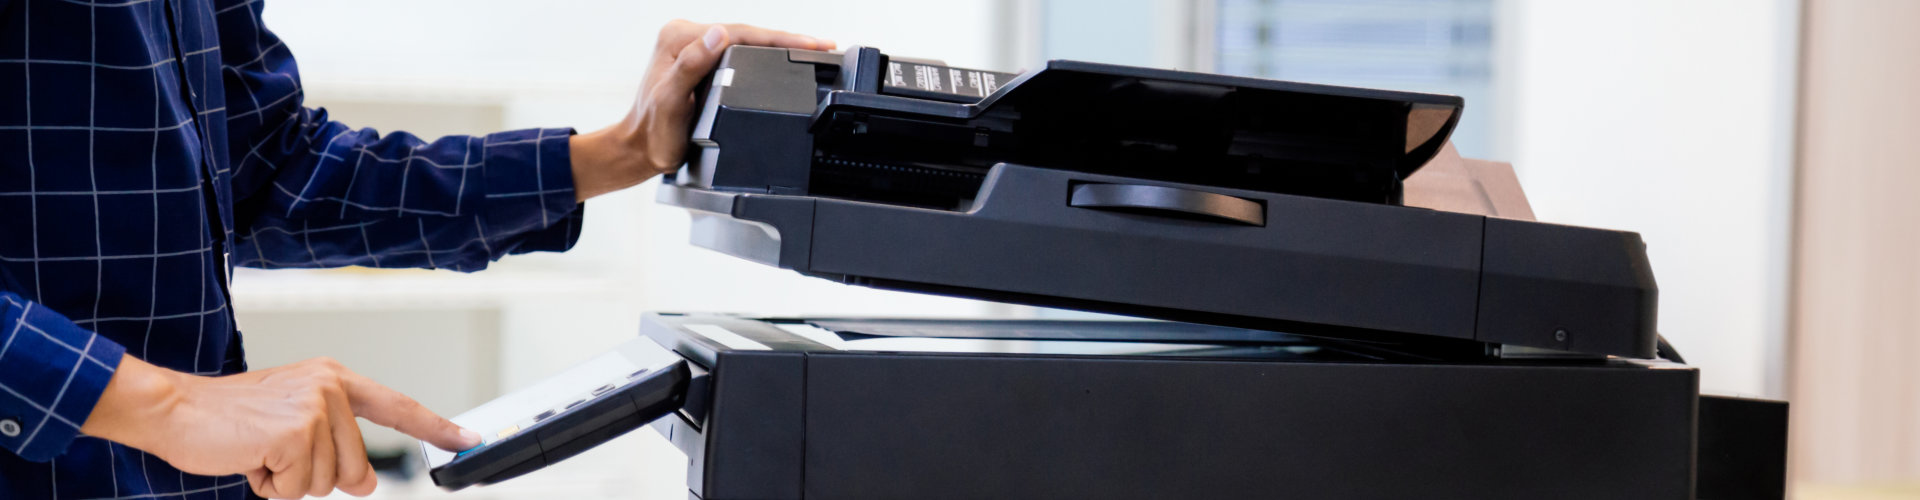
(464, 90)
(362, 289)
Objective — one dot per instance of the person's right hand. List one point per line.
(652, 140)
(289, 429)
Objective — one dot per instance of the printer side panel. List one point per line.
(751, 135)
(1567, 288)
(918, 426)
(754, 424)
(741, 426)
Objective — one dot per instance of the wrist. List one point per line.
(136, 404)
(605, 161)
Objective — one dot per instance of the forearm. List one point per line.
(605, 161)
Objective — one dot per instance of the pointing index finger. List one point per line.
(391, 409)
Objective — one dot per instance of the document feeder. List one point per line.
(1163, 194)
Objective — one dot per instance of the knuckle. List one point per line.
(689, 65)
(313, 400)
(329, 379)
(294, 434)
(332, 392)
(674, 29)
(285, 435)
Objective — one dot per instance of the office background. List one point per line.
(1732, 134)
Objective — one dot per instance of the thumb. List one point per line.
(261, 482)
(691, 65)
(669, 103)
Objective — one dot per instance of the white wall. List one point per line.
(1672, 119)
(576, 43)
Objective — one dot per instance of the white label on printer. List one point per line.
(927, 77)
(726, 337)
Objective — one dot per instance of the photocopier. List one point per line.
(1292, 328)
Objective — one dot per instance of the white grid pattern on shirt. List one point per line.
(76, 350)
(215, 487)
(15, 334)
(49, 413)
(71, 373)
(434, 248)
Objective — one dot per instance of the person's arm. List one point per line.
(289, 429)
(52, 373)
(316, 193)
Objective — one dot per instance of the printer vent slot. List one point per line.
(907, 184)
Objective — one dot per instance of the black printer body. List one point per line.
(1179, 196)
(884, 409)
(1317, 339)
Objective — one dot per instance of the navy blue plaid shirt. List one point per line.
(148, 145)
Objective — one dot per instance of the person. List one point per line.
(148, 146)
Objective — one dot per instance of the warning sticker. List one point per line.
(906, 78)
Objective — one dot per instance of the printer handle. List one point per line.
(1168, 201)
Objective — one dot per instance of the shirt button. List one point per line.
(9, 427)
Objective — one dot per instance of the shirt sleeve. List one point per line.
(312, 192)
(51, 374)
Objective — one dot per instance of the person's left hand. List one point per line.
(652, 140)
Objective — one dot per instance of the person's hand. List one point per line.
(653, 138)
(289, 429)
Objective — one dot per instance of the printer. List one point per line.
(1294, 328)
